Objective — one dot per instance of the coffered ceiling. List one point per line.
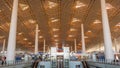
(59, 21)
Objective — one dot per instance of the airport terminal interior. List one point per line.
(59, 33)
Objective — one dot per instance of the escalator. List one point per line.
(35, 63)
(85, 65)
(60, 62)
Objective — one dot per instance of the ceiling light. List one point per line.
(85, 36)
(56, 40)
(54, 20)
(72, 29)
(79, 44)
(38, 30)
(55, 29)
(89, 30)
(40, 36)
(79, 4)
(75, 20)
(109, 6)
(29, 43)
(25, 39)
(1, 37)
(20, 33)
(56, 35)
(70, 35)
(97, 22)
(118, 25)
(51, 4)
(24, 7)
(32, 21)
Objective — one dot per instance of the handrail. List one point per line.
(111, 62)
(12, 63)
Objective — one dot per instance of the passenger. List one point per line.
(3, 60)
(35, 64)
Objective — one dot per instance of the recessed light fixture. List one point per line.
(79, 4)
(79, 44)
(56, 35)
(20, 33)
(97, 22)
(56, 40)
(70, 35)
(25, 39)
(109, 6)
(52, 4)
(89, 30)
(24, 6)
(54, 19)
(73, 29)
(32, 21)
(75, 20)
(1, 37)
(40, 36)
(118, 25)
(29, 43)
(38, 30)
(55, 29)
(85, 36)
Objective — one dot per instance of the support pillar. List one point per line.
(3, 49)
(71, 48)
(106, 33)
(36, 40)
(12, 33)
(83, 39)
(75, 45)
(115, 44)
(44, 46)
(56, 45)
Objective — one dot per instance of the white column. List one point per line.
(48, 49)
(36, 40)
(3, 49)
(56, 45)
(115, 44)
(75, 44)
(44, 46)
(71, 49)
(12, 33)
(106, 32)
(83, 39)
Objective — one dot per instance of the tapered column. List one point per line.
(44, 46)
(83, 39)
(56, 45)
(115, 44)
(3, 49)
(12, 33)
(75, 44)
(106, 32)
(36, 40)
(71, 48)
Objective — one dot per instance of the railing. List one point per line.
(12, 63)
(111, 62)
